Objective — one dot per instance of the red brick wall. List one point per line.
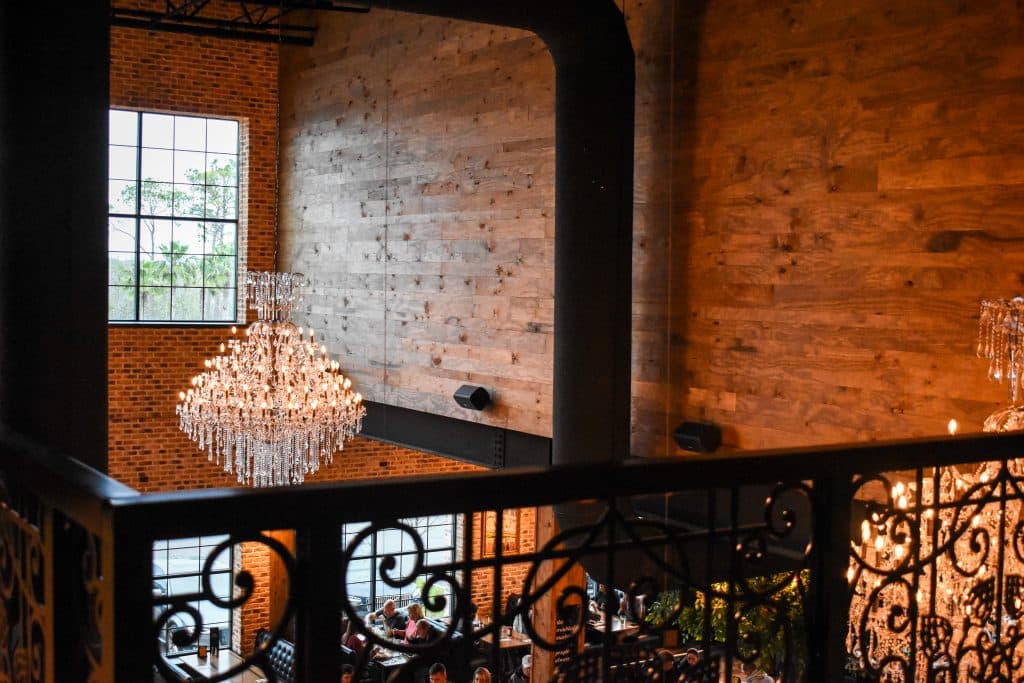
(149, 365)
(512, 576)
(361, 459)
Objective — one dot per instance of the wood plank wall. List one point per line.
(418, 164)
(849, 187)
(823, 194)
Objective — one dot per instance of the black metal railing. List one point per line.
(755, 559)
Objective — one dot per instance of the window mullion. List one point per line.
(138, 212)
(174, 214)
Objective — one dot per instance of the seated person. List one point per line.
(631, 610)
(668, 664)
(415, 611)
(482, 675)
(605, 595)
(425, 633)
(438, 674)
(693, 667)
(349, 637)
(348, 672)
(522, 674)
(394, 619)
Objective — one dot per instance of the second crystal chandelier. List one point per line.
(1001, 341)
(272, 406)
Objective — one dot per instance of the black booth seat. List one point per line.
(281, 656)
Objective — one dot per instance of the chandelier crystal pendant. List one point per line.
(272, 406)
(1001, 342)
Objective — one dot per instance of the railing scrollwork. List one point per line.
(176, 606)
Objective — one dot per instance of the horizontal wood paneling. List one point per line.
(418, 176)
(822, 195)
(854, 188)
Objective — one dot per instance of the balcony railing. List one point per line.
(891, 562)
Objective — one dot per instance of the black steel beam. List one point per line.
(154, 17)
(187, 18)
(257, 34)
(327, 5)
(472, 442)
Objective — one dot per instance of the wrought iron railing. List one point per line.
(752, 558)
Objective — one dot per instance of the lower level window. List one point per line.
(177, 571)
(368, 592)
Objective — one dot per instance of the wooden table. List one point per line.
(511, 650)
(385, 658)
(516, 640)
(388, 659)
(213, 665)
(620, 627)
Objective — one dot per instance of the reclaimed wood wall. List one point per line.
(418, 190)
(823, 194)
(848, 186)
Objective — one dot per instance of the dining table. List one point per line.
(511, 646)
(213, 664)
(386, 658)
(622, 628)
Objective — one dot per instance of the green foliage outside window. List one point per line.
(165, 263)
(765, 630)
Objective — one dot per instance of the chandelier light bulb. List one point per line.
(271, 408)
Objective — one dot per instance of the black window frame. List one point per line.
(375, 555)
(162, 582)
(173, 218)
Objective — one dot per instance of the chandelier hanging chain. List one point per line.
(277, 150)
(272, 406)
(387, 190)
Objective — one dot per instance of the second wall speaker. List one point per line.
(703, 437)
(474, 398)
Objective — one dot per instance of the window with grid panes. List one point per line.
(177, 570)
(173, 218)
(367, 591)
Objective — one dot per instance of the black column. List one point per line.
(54, 95)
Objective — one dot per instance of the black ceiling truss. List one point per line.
(259, 20)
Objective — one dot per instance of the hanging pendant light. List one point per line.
(272, 406)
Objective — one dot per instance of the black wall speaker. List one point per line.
(703, 437)
(474, 398)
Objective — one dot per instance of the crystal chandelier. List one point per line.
(272, 406)
(940, 553)
(936, 574)
(1001, 341)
